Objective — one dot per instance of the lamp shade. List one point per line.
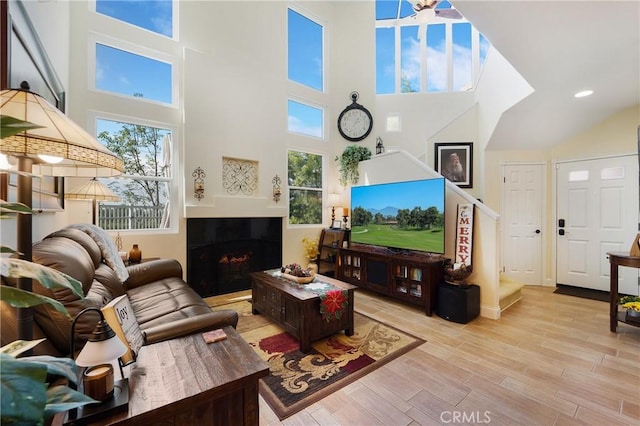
(55, 136)
(103, 347)
(92, 190)
(333, 199)
(95, 353)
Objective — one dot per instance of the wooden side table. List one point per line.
(618, 259)
(186, 381)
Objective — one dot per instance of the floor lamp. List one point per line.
(95, 191)
(57, 147)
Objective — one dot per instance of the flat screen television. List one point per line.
(400, 215)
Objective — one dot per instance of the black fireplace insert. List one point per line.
(222, 251)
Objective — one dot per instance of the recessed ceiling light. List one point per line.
(583, 93)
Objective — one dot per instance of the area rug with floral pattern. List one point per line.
(298, 379)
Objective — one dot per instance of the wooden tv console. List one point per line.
(406, 275)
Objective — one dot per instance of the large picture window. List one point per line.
(145, 187)
(304, 175)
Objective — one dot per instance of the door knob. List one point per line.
(537, 231)
(561, 232)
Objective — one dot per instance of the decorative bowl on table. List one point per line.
(295, 272)
(457, 275)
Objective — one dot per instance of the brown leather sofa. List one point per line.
(164, 305)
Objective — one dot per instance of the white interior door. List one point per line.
(597, 212)
(522, 216)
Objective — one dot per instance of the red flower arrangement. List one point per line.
(333, 304)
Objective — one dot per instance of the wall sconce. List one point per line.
(103, 347)
(276, 188)
(198, 183)
(379, 145)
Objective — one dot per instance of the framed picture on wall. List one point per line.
(454, 160)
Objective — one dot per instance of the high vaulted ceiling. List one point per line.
(561, 47)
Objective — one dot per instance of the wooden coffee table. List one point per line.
(297, 310)
(186, 381)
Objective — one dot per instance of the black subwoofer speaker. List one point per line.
(458, 304)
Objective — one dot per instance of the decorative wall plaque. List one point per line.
(239, 176)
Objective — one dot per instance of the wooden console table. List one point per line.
(618, 259)
(186, 381)
(410, 276)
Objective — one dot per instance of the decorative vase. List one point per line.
(135, 254)
(312, 266)
(632, 316)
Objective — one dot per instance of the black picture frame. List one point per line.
(443, 153)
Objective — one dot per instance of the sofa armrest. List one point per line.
(191, 325)
(151, 271)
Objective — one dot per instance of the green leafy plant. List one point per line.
(349, 159)
(630, 302)
(26, 394)
(11, 126)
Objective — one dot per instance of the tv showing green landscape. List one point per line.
(400, 215)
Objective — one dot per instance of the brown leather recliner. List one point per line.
(164, 305)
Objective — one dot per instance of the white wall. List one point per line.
(233, 66)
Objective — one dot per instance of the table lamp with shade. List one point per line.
(95, 191)
(103, 347)
(333, 201)
(49, 144)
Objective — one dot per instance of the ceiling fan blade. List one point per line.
(448, 13)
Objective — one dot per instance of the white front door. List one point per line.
(522, 216)
(597, 212)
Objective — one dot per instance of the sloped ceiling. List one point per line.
(560, 48)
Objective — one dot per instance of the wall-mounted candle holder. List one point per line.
(198, 183)
(276, 188)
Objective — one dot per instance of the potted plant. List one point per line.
(311, 252)
(632, 305)
(310, 248)
(349, 159)
(27, 396)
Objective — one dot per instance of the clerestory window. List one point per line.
(152, 15)
(433, 50)
(306, 108)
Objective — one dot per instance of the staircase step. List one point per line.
(510, 293)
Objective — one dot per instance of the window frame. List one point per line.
(312, 17)
(132, 48)
(321, 189)
(397, 25)
(175, 18)
(173, 181)
(306, 102)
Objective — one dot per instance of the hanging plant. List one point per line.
(351, 156)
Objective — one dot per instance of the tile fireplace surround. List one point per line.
(221, 252)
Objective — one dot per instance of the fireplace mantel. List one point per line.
(224, 206)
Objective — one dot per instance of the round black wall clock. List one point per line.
(355, 121)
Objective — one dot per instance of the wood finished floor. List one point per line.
(550, 360)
